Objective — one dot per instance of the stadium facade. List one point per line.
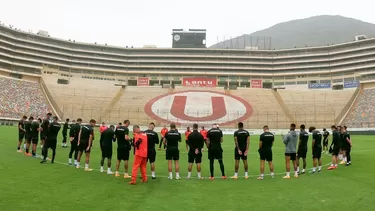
(55, 62)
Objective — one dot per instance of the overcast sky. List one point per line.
(150, 22)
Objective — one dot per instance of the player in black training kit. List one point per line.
(265, 151)
(73, 135)
(196, 142)
(213, 141)
(123, 148)
(152, 140)
(44, 129)
(347, 145)
(316, 148)
(21, 133)
(341, 153)
(40, 121)
(241, 141)
(302, 148)
(27, 124)
(171, 140)
(65, 133)
(85, 138)
(325, 140)
(106, 139)
(334, 149)
(51, 140)
(34, 134)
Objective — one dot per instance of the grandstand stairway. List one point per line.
(81, 98)
(361, 113)
(283, 106)
(55, 109)
(113, 102)
(319, 108)
(349, 105)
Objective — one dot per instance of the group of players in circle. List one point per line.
(144, 144)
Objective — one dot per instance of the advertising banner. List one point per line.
(143, 82)
(351, 84)
(319, 86)
(256, 84)
(203, 82)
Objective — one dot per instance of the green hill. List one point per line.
(313, 31)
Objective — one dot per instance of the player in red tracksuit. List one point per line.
(140, 157)
(187, 133)
(203, 131)
(102, 127)
(162, 132)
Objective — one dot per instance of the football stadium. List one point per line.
(184, 85)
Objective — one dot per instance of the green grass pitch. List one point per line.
(26, 184)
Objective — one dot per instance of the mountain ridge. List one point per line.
(306, 32)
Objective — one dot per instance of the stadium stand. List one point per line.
(19, 97)
(266, 109)
(131, 105)
(82, 98)
(362, 113)
(111, 84)
(316, 107)
(106, 102)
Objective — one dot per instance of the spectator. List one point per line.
(19, 97)
(363, 112)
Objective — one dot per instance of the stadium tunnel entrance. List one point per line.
(267, 85)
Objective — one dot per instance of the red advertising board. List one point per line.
(208, 82)
(256, 84)
(143, 82)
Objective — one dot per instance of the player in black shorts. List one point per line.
(302, 148)
(265, 151)
(334, 149)
(341, 154)
(73, 135)
(241, 141)
(196, 142)
(106, 139)
(85, 137)
(65, 133)
(325, 140)
(290, 141)
(316, 148)
(171, 140)
(34, 131)
(44, 129)
(347, 145)
(27, 124)
(152, 140)
(123, 148)
(51, 140)
(213, 141)
(40, 121)
(21, 133)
